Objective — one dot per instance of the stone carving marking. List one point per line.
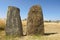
(35, 21)
(13, 22)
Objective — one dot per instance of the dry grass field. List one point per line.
(2, 23)
(52, 32)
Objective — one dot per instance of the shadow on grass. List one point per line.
(47, 34)
(1, 28)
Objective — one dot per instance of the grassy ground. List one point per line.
(52, 32)
(34, 37)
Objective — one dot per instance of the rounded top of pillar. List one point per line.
(35, 7)
(13, 8)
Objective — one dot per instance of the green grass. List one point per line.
(34, 37)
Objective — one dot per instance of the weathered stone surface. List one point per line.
(13, 22)
(35, 23)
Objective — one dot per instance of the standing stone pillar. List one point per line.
(13, 22)
(35, 23)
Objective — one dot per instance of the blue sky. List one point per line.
(50, 8)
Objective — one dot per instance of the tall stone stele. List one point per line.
(35, 24)
(13, 22)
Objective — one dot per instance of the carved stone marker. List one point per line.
(35, 23)
(13, 22)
